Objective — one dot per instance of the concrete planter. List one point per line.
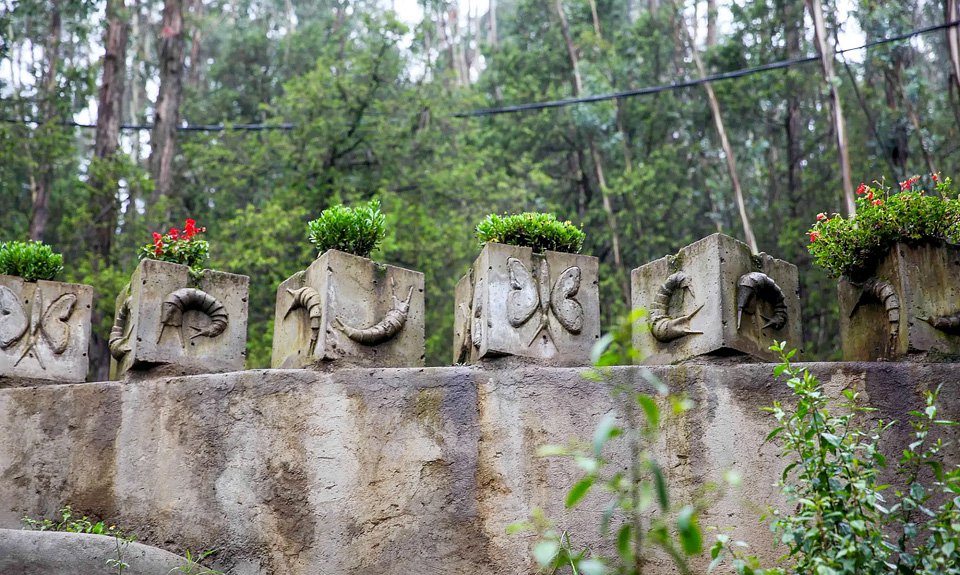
(715, 298)
(164, 318)
(515, 302)
(909, 306)
(44, 331)
(349, 310)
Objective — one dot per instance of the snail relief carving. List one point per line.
(49, 325)
(529, 295)
(759, 285)
(185, 299)
(476, 329)
(307, 298)
(663, 327)
(386, 328)
(118, 342)
(884, 293)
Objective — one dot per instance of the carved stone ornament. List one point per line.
(165, 318)
(514, 302)
(345, 310)
(907, 308)
(715, 297)
(44, 331)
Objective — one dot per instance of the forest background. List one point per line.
(329, 101)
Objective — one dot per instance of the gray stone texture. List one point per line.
(351, 292)
(57, 553)
(44, 331)
(398, 471)
(516, 303)
(925, 280)
(713, 268)
(151, 344)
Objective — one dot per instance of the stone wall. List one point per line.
(399, 471)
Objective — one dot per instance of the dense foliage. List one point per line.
(357, 231)
(534, 230)
(30, 260)
(179, 246)
(853, 246)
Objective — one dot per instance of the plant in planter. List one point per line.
(346, 308)
(529, 293)
(44, 324)
(174, 313)
(898, 264)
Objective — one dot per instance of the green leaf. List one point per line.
(650, 410)
(691, 539)
(579, 490)
(591, 567)
(606, 430)
(545, 552)
(623, 543)
(661, 486)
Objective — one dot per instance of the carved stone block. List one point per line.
(350, 310)
(909, 306)
(515, 302)
(715, 297)
(44, 331)
(164, 318)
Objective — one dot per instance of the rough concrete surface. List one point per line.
(702, 303)
(44, 331)
(517, 303)
(921, 281)
(188, 340)
(392, 471)
(56, 553)
(349, 310)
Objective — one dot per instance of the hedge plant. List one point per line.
(30, 260)
(531, 229)
(353, 230)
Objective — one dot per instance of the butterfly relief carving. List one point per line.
(532, 292)
(48, 325)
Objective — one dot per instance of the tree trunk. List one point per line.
(43, 181)
(711, 23)
(595, 156)
(724, 140)
(836, 108)
(167, 114)
(793, 30)
(196, 39)
(492, 26)
(952, 9)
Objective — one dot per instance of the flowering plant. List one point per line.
(532, 229)
(179, 247)
(854, 246)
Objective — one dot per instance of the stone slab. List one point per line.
(707, 295)
(885, 318)
(540, 306)
(177, 330)
(354, 312)
(399, 471)
(44, 331)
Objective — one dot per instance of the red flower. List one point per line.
(174, 233)
(814, 236)
(935, 177)
(821, 217)
(877, 202)
(870, 195)
(190, 228)
(861, 188)
(157, 239)
(906, 185)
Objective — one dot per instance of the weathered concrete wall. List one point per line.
(386, 470)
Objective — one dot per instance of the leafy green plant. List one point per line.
(853, 246)
(353, 230)
(68, 522)
(193, 567)
(639, 513)
(179, 247)
(842, 523)
(30, 260)
(535, 230)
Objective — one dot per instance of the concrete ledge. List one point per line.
(392, 471)
(55, 553)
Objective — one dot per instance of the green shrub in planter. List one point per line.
(531, 229)
(30, 260)
(179, 247)
(357, 231)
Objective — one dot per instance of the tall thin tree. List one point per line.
(167, 108)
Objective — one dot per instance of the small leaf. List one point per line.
(623, 543)
(606, 430)
(650, 410)
(591, 567)
(578, 491)
(661, 486)
(545, 551)
(690, 538)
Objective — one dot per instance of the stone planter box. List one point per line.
(518, 303)
(44, 331)
(164, 318)
(349, 310)
(715, 298)
(909, 306)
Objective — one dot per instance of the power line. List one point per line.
(688, 83)
(543, 105)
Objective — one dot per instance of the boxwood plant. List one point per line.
(30, 260)
(353, 230)
(853, 246)
(531, 229)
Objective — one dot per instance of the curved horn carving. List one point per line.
(383, 330)
(663, 327)
(307, 298)
(185, 299)
(117, 342)
(756, 284)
